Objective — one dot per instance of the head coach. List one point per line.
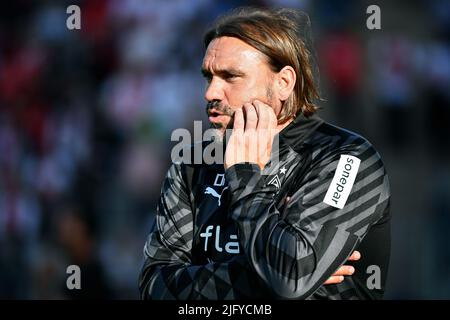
(252, 228)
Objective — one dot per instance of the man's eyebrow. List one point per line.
(222, 72)
(205, 72)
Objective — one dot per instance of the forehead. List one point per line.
(229, 51)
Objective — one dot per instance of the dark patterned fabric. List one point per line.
(230, 234)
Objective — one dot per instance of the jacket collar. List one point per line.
(295, 134)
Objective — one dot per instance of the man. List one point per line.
(255, 227)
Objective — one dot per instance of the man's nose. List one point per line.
(214, 91)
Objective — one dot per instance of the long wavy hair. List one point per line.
(277, 34)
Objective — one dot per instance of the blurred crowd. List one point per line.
(86, 118)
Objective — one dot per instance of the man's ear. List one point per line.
(286, 79)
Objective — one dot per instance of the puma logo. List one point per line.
(214, 193)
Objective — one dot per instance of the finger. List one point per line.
(272, 117)
(269, 123)
(273, 121)
(344, 271)
(238, 119)
(356, 255)
(334, 280)
(251, 117)
(263, 134)
(263, 114)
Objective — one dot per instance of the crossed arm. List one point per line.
(290, 256)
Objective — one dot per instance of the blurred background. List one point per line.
(86, 117)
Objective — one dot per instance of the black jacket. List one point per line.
(231, 235)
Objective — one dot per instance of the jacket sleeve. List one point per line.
(168, 272)
(297, 250)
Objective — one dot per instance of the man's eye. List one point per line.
(230, 77)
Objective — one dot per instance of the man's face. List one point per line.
(236, 73)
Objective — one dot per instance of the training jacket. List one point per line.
(232, 234)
